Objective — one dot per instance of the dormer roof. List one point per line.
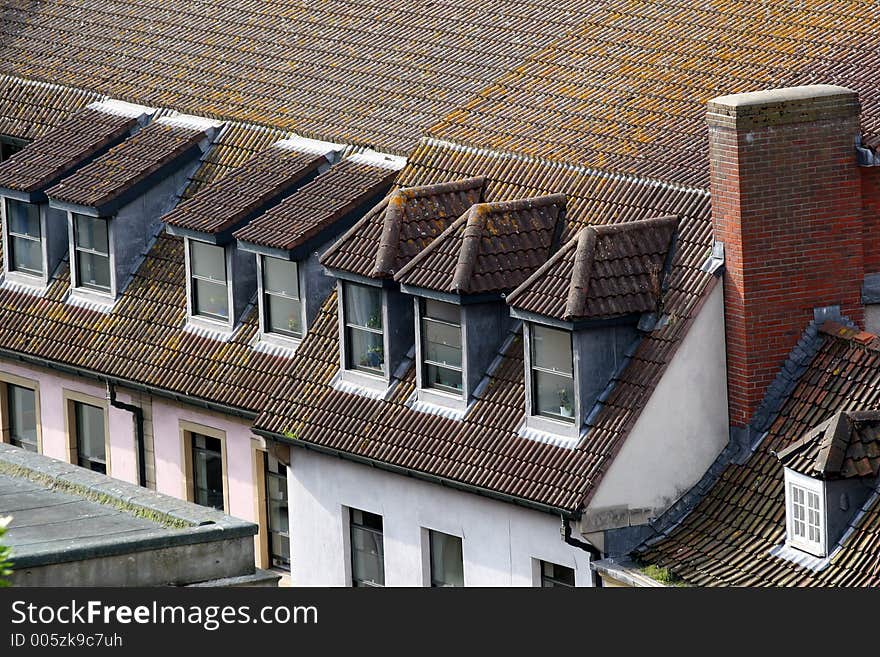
(85, 135)
(493, 247)
(127, 169)
(602, 272)
(401, 226)
(249, 189)
(845, 445)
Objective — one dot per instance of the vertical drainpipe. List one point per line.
(595, 554)
(138, 414)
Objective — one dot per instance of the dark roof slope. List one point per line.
(334, 194)
(371, 72)
(843, 446)
(726, 539)
(626, 89)
(29, 109)
(603, 272)
(485, 449)
(87, 133)
(493, 247)
(265, 177)
(403, 224)
(126, 165)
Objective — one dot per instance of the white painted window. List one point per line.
(441, 346)
(282, 307)
(24, 237)
(91, 244)
(447, 563)
(805, 513)
(552, 373)
(209, 280)
(364, 342)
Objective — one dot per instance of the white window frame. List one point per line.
(287, 339)
(799, 518)
(75, 249)
(11, 236)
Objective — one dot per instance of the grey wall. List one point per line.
(397, 318)
(484, 327)
(598, 353)
(316, 285)
(843, 499)
(243, 278)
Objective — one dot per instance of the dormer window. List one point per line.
(805, 513)
(282, 306)
(91, 244)
(364, 338)
(441, 346)
(9, 146)
(209, 287)
(552, 373)
(24, 237)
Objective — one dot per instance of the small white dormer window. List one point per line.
(364, 336)
(441, 346)
(209, 284)
(91, 246)
(282, 304)
(552, 373)
(805, 513)
(25, 237)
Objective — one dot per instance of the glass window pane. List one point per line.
(553, 395)
(208, 261)
(276, 501)
(22, 417)
(91, 233)
(210, 299)
(551, 349)
(93, 270)
(367, 549)
(280, 277)
(442, 343)
(363, 306)
(556, 576)
(23, 218)
(90, 437)
(364, 350)
(207, 460)
(443, 378)
(448, 312)
(283, 315)
(447, 565)
(25, 255)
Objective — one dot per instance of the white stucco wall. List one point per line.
(499, 540)
(681, 430)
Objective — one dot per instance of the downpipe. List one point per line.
(138, 414)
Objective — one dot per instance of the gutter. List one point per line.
(138, 414)
(565, 531)
(567, 514)
(133, 385)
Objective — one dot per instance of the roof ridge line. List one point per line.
(471, 238)
(579, 168)
(57, 87)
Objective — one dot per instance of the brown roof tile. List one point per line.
(602, 272)
(401, 226)
(333, 195)
(246, 190)
(29, 109)
(127, 165)
(85, 134)
(492, 247)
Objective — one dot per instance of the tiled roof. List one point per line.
(264, 178)
(87, 133)
(726, 539)
(491, 248)
(485, 449)
(334, 194)
(403, 224)
(29, 109)
(127, 164)
(846, 445)
(602, 272)
(626, 89)
(370, 72)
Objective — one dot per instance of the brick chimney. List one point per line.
(786, 203)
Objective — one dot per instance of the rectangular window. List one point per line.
(364, 345)
(281, 302)
(90, 437)
(92, 247)
(441, 345)
(552, 373)
(447, 564)
(210, 294)
(25, 237)
(276, 501)
(556, 576)
(207, 465)
(367, 549)
(22, 407)
(805, 518)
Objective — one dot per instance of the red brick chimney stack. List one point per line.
(786, 203)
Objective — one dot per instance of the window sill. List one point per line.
(213, 329)
(276, 344)
(29, 284)
(546, 430)
(102, 302)
(359, 383)
(434, 402)
(799, 557)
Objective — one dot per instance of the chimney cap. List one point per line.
(783, 106)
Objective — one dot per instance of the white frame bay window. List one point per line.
(282, 303)
(24, 237)
(552, 373)
(209, 281)
(364, 328)
(441, 346)
(805, 521)
(91, 246)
